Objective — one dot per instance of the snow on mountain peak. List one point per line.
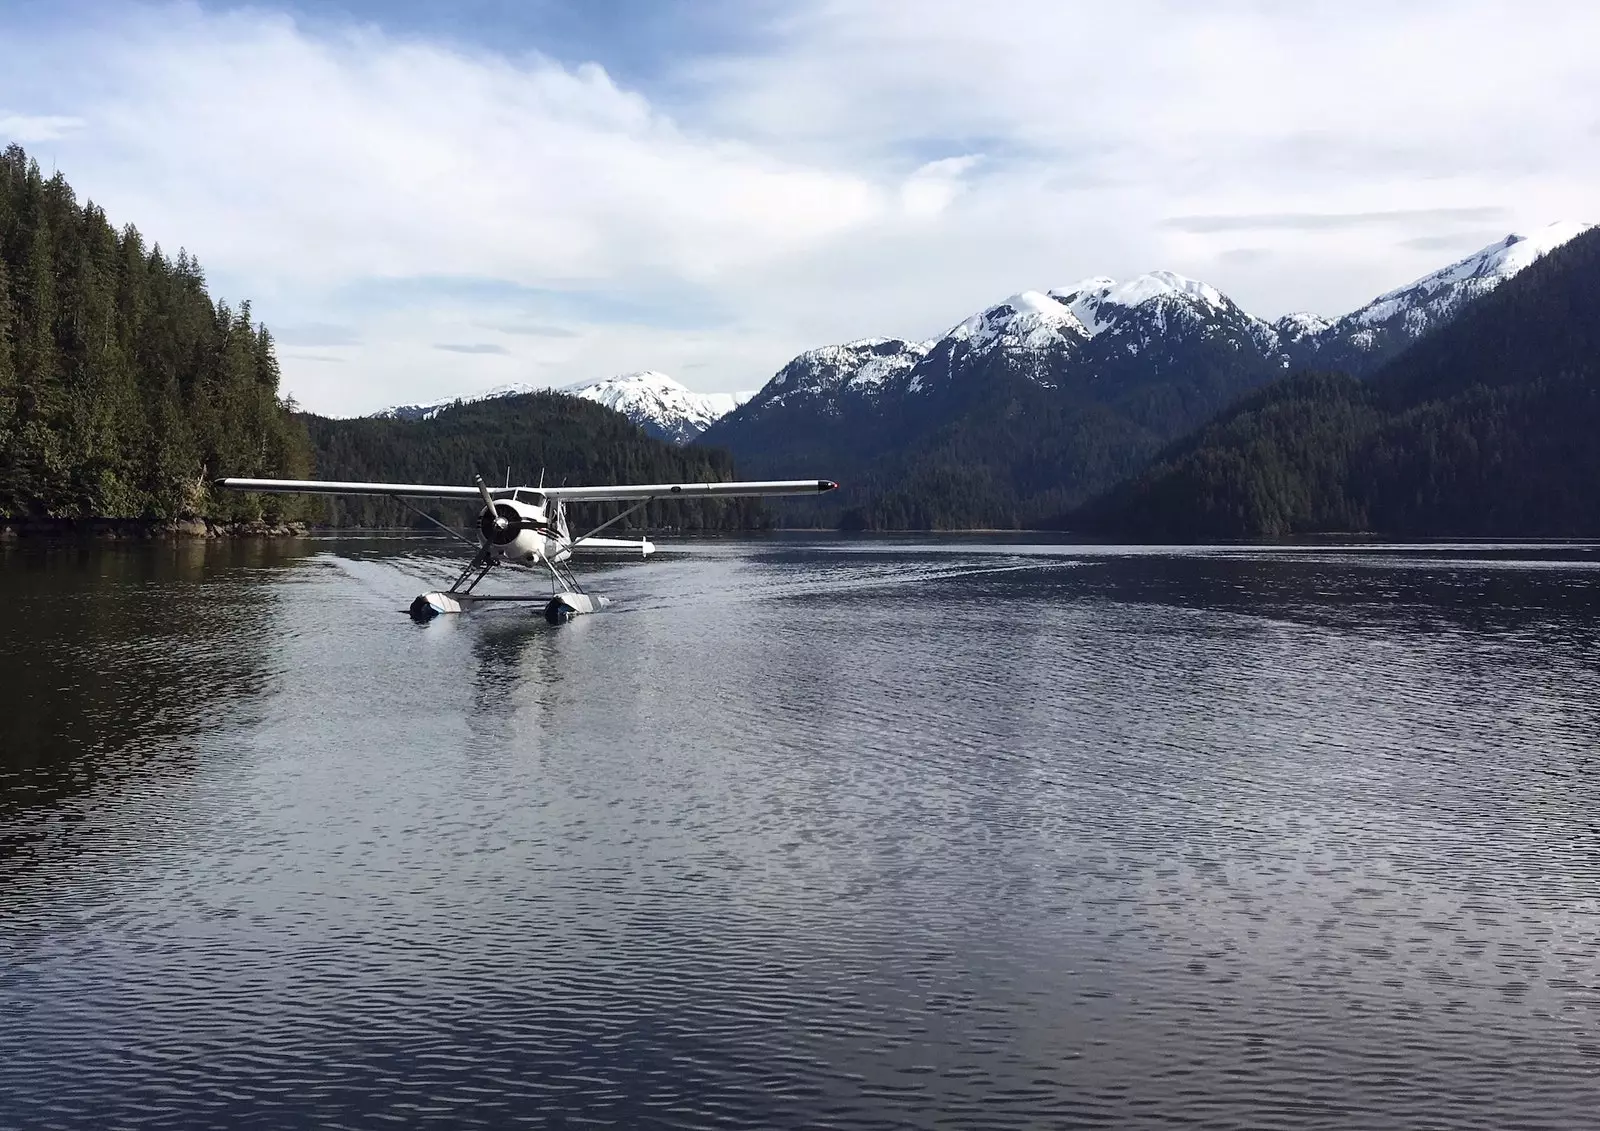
(863, 366)
(1093, 301)
(1027, 320)
(1301, 324)
(658, 403)
(1439, 292)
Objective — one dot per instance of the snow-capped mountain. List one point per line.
(654, 401)
(1392, 321)
(1103, 304)
(1156, 321)
(1075, 387)
(658, 404)
(1098, 324)
(1436, 296)
(821, 377)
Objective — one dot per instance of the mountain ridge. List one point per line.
(656, 402)
(1117, 369)
(1483, 428)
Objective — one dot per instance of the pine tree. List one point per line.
(8, 372)
(123, 387)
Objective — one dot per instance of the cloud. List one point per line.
(26, 128)
(534, 330)
(471, 347)
(1456, 243)
(931, 188)
(315, 334)
(1332, 221)
(826, 170)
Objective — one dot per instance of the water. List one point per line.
(803, 833)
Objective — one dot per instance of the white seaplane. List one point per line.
(527, 527)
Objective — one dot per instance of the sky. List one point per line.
(426, 200)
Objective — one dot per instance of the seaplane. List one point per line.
(526, 528)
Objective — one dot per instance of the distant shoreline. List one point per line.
(144, 529)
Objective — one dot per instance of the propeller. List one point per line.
(499, 524)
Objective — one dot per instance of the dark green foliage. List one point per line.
(123, 388)
(1487, 427)
(569, 439)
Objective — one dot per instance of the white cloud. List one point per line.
(874, 168)
(25, 128)
(932, 187)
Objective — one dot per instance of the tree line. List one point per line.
(549, 436)
(124, 388)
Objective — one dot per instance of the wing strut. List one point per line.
(614, 519)
(450, 530)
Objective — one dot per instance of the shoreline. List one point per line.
(143, 529)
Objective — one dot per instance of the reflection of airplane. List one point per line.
(527, 526)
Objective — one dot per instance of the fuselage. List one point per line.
(519, 530)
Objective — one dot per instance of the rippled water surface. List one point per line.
(803, 833)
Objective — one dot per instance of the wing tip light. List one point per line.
(827, 485)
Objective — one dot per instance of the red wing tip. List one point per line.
(827, 485)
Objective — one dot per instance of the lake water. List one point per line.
(803, 832)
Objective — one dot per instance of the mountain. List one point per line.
(658, 404)
(654, 401)
(412, 413)
(545, 434)
(1047, 398)
(1013, 414)
(1485, 427)
(1364, 338)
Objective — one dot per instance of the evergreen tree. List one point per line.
(123, 387)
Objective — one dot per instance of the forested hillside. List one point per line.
(123, 387)
(568, 439)
(1487, 427)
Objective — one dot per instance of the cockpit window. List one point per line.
(526, 496)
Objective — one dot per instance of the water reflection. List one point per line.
(112, 655)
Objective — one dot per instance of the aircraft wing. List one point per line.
(688, 490)
(321, 487)
(570, 494)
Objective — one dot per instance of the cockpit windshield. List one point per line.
(525, 495)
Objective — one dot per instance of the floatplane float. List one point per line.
(527, 527)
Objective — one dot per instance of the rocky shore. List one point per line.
(115, 529)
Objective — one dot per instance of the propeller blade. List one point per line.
(488, 503)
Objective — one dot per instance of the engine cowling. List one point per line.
(518, 536)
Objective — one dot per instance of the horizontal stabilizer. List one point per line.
(643, 548)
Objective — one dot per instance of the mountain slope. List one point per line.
(1370, 335)
(562, 438)
(1048, 398)
(1486, 427)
